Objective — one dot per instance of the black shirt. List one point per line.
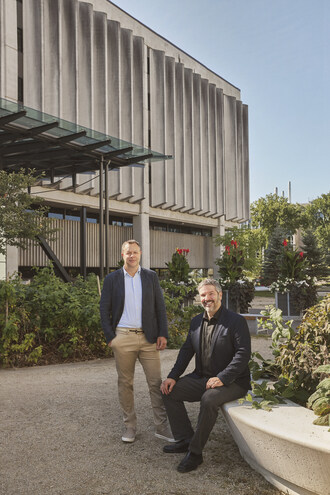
(206, 341)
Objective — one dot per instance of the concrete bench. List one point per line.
(283, 445)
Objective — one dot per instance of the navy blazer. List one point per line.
(154, 320)
(230, 351)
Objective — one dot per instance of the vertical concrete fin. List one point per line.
(230, 168)
(157, 122)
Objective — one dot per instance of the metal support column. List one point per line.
(101, 224)
(107, 229)
(83, 241)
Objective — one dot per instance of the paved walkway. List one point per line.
(60, 429)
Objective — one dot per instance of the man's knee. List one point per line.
(211, 400)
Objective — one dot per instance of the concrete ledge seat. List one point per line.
(283, 445)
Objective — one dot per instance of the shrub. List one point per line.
(319, 401)
(301, 360)
(178, 314)
(50, 321)
(308, 349)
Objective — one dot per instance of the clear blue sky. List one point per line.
(278, 53)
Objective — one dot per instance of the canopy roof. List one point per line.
(33, 139)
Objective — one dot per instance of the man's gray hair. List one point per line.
(210, 281)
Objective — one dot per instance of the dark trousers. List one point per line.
(194, 390)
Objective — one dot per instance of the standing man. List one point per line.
(221, 343)
(134, 322)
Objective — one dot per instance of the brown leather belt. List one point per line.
(129, 330)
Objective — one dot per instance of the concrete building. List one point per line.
(90, 63)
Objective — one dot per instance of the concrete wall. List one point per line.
(89, 63)
(93, 64)
(8, 50)
(66, 246)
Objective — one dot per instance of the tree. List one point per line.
(19, 221)
(317, 218)
(272, 264)
(275, 211)
(317, 266)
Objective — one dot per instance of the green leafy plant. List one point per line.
(232, 279)
(178, 314)
(319, 401)
(178, 267)
(251, 242)
(301, 360)
(293, 277)
(294, 263)
(230, 264)
(19, 219)
(49, 321)
(274, 211)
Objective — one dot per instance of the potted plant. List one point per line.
(238, 291)
(180, 282)
(294, 289)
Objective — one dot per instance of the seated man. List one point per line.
(221, 343)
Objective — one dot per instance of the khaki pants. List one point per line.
(127, 348)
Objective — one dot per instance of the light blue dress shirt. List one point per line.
(132, 314)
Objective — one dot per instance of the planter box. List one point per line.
(283, 445)
(229, 304)
(286, 304)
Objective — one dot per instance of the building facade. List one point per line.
(93, 64)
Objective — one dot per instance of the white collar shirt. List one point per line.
(132, 314)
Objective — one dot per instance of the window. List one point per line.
(181, 229)
(91, 217)
(59, 216)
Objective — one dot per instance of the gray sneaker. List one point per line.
(129, 435)
(164, 433)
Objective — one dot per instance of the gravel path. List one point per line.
(60, 429)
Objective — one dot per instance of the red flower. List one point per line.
(301, 254)
(182, 251)
(285, 242)
(227, 249)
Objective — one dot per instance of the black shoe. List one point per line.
(177, 447)
(190, 462)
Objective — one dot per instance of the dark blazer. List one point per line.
(230, 354)
(154, 320)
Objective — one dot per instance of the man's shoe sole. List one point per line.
(127, 439)
(162, 437)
